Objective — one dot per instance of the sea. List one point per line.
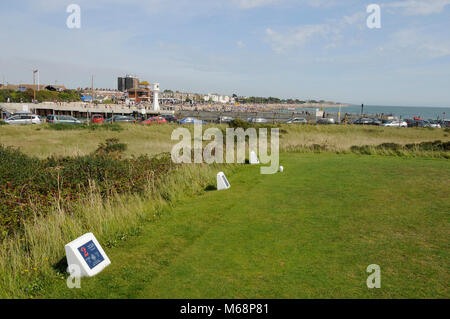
(405, 112)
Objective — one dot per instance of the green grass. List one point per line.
(309, 232)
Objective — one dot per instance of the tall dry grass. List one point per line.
(42, 142)
(34, 258)
(343, 137)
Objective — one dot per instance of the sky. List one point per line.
(306, 49)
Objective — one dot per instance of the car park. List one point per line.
(297, 120)
(24, 119)
(121, 118)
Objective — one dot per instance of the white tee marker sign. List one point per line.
(86, 253)
(253, 158)
(222, 182)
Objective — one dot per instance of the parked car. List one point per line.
(224, 119)
(24, 119)
(65, 119)
(434, 124)
(395, 123)
(259, 120)
(297, 120)
(191, 120)
(376, 121)
(170, 118)
(326, 121)
(367, 121)
(121, 118)
(410, 122)
(97, 118)
(422, 123)
(363, 121)
(155, 120)
(445, 123)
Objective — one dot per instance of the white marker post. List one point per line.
(222, 182)
(86, 253)
(253, 158)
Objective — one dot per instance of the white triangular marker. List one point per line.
(86, 253)
(222, 182)
(253, 158)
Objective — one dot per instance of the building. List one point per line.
(139, 95)
(127, 82)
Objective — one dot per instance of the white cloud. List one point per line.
(422, 7)
(415, 41)
(248, 4)
(296, 37)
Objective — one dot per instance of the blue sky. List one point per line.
(308, 49)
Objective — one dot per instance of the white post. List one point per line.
(156, 97)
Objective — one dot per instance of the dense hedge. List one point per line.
(41, 95)
(30, 186)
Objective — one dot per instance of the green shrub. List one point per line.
(30, 186)
(84, 126)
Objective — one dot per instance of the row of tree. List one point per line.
(41, 96)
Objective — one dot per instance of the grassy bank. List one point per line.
(31, 255)
(42, 142)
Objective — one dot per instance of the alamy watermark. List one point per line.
(374, 279)
(374, 19)
(74, 19)
(214, 151)
(74, 280)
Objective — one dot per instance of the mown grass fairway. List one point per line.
(309, 232)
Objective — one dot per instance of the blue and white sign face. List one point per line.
(91, 254)
(225, 181)
(87, 254)
(222, 181)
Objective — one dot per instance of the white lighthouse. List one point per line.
(156, 97)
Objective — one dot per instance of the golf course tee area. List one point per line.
(309, 232)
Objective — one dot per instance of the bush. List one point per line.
(93, 127)
(436, 148)
(33, 187)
